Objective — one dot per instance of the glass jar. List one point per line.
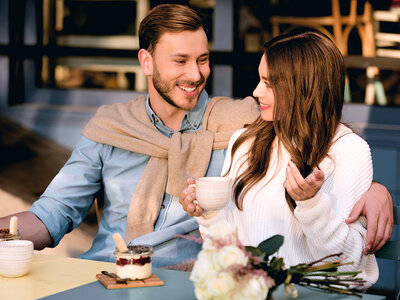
(5, 235)
(135, 263)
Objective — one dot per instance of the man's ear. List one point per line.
(146, 62)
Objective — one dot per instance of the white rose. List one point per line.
(255, 287)
(201, 292)
(203, 268)
(229, 255)
(204, 255)
(220, 229)
(221, 285)
(208, 244)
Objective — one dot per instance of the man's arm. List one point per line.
(377, 206)
(31, 228)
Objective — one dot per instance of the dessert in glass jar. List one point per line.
(135, 263)
(5, 235)
(12, 233)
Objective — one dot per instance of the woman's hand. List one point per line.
(188, 200)
(300, 188)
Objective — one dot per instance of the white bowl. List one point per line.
(15, 268)
(16, 246)
(15, 251)
(15, 257)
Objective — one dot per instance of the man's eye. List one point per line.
(203, 60)
(180, 61)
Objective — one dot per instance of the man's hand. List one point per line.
(377, 206)
(187, 200)
(300, 188)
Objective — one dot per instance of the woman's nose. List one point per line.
(256, 92)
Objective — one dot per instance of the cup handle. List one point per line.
(193, 186)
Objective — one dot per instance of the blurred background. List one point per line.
(61, 59)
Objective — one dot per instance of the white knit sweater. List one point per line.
(317, 228)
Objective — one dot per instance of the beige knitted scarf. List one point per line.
(172, 160)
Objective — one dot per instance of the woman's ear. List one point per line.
(146, 62)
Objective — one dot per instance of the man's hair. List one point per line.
(167, 18)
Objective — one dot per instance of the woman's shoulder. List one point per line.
(347, 142)
(349, 154)
(237, 133)
(243, 147)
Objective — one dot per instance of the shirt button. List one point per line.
(195, 125)
(155, 119)
(162, 206)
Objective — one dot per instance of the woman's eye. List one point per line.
(267, 84)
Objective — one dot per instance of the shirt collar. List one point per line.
(192, 120)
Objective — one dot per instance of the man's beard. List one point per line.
(163, 88)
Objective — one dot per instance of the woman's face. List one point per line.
(263, 92)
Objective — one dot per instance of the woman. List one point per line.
(297, 170)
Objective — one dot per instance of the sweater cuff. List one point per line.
(207, 218)
(309, 203)
(307, 211)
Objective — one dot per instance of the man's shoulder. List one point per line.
(228, 110)
(229, 105)
(121, 104)
(247, 100)
(92, 148)
(86, 142)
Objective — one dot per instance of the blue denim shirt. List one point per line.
(95, 167)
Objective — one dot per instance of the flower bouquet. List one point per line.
(226, 269)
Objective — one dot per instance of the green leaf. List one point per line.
(277, 263)
(255, 251)
(271, 245)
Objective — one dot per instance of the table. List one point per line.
(49, 275)
(62, 278)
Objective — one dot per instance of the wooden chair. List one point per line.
(341, 29)
(392, 251)
(387, 43)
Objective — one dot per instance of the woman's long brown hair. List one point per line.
(306, 73)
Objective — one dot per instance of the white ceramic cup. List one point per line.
(15, 258)
(213, 193)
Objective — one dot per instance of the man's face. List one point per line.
(181, 67)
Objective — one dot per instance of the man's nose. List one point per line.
(193, 72)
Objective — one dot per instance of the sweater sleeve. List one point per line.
(323, 217)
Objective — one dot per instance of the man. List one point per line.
(137, 155)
